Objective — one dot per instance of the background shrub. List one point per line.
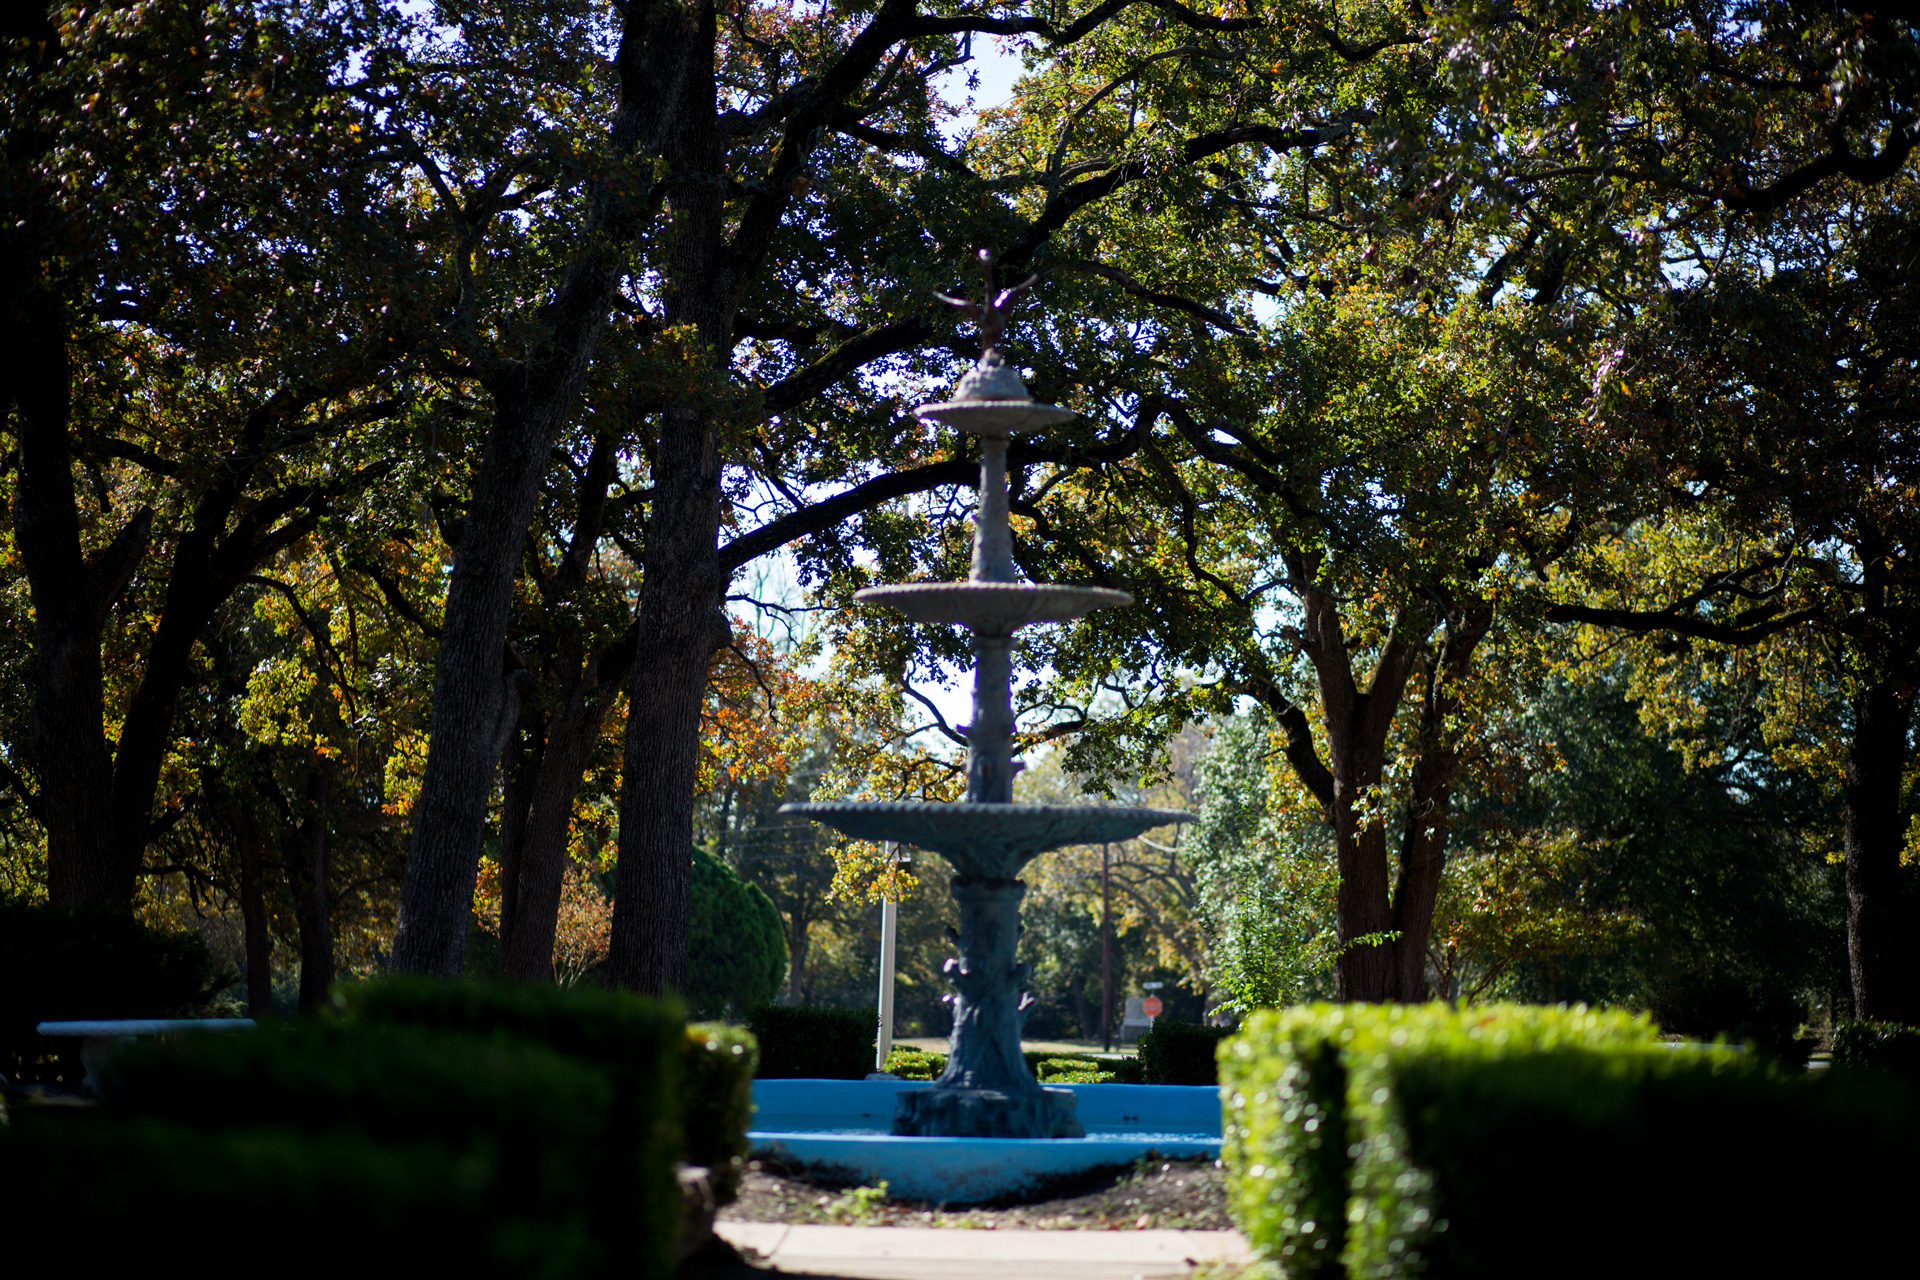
(1877, 1046)
(736, 943)
(915, 1064)
(803, 1043)
(1181, 1053)
(717, 1107)
(58, 965)
(1057, 1070)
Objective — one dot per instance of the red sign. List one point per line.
(1151, 1006)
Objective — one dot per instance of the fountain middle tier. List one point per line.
(987, 840)
(993, 608)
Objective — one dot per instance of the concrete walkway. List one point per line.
(939, 1253)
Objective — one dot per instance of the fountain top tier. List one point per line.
(988, 837)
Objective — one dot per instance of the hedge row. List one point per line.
(1181, 1053)
(1389, 1141)
(801, 1042)
(500, 1129)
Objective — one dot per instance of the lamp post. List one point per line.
(889, 920)
(1106, 951)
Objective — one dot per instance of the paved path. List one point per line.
(934, 1253)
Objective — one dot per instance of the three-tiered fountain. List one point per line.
(987, 1090)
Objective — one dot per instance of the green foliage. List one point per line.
(736, 945)
(1720, 869)
(1264, 881)
(635, 1044)
(1877, 1046)
(61, 965)
(1181, 1053)
(915, 1064)
(803, 1042)
(716, 1106)
(1300, 1085)
(321, 1205)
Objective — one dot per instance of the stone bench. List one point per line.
(101, 1036)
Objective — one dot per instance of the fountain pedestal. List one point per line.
(986, 1090)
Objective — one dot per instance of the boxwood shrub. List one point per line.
(635, 1044)
(717, 1105)
(529, 1114)
(117, 1192)
(1388, 1141)
(798, 1042)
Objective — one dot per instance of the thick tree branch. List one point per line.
(1172, 301)
(876, 343)
(1643, 621)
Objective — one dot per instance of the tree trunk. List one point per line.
(253, 914)
(1880, 941)
(527, 953)
(1357, 724)
(681, 625)
(526, 749)
(475, 693)
(682, 619)
(67, 732)
(1082, 1009)
(308, 857)
(1423, 845)
(532, 401)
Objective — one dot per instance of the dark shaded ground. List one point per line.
(1181, 1195)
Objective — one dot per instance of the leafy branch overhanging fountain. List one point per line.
(987, 1090)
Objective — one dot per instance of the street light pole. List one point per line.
(1106, 952)
(889, 919)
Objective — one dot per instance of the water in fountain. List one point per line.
(987, 1090)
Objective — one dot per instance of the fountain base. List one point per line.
(987, 1113)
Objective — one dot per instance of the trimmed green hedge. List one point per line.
(1305, 1091)
(636, 1045)
(1389, 1141)
(717, 1108)
(1181, 1053)
(117, 1193)
(801, 1042)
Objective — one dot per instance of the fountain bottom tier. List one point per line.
(840, 1131)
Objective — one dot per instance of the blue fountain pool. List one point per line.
(839, 1130)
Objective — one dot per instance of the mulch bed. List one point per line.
(1188, 1195)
